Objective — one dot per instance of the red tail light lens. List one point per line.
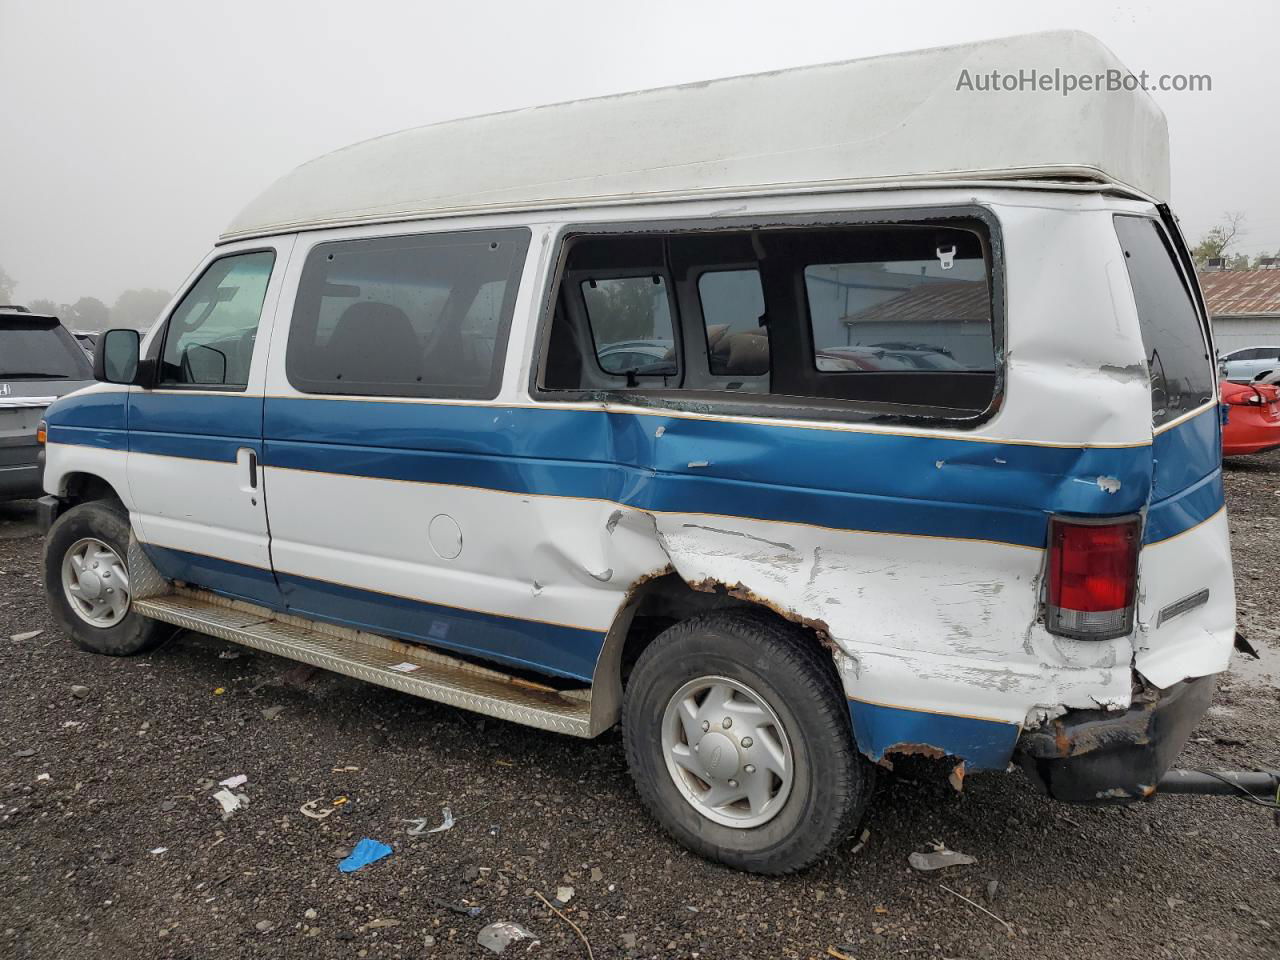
(1093, 574)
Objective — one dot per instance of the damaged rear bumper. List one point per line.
(1100, 756)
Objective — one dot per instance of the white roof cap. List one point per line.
(896, 118)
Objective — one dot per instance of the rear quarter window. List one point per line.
(1182, 372)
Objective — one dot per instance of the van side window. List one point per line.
(883, 315)
(901, 315)
(732, 303)
(630, 320)
(425, 315)
(210, 335)
(1182, 372)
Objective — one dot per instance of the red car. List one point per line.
(1253, 418)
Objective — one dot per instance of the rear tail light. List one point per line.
(42, 432)
(1093, 574)
(1246, 399)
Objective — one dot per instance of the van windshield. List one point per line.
(1182, 372)
(33, 348)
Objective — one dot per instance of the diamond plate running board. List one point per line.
(401, 666)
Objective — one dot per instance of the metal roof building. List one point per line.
(1245, 307)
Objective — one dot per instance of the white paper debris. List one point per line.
(232, 782)
(447, 824)
(404, 667)
(231, 802)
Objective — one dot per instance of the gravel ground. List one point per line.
(110, 844)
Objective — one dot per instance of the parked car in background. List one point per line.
(921, 356)
(88, 342)
(39, 362)
(638, 355)
(1253, 418)
(1246, 363)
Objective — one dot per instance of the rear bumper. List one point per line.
(19, 481)
(1101, 757)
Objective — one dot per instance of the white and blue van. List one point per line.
(796, 422)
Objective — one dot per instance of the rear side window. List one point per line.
(38, 349)
(413, 316)
(930, 312)
(899, 318)
(1182, 373)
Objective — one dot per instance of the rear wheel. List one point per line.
(739, 741)
(87, 581)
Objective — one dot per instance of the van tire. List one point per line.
(831, 782)
(107, 522)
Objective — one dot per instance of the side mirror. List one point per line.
(116, 359)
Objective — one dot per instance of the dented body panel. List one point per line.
(914, 551)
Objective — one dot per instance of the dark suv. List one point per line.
(39, 362)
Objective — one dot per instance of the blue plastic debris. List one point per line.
(365, 853)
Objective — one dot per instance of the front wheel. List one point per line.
(738, 738)
(87, 581)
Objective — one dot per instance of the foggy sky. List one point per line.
(134, 131)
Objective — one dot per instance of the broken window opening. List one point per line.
(886, 315)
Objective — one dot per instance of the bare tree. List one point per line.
(1214, 244)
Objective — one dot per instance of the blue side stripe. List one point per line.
(103, 411)
(1186, 454)
(102, 438)
(546, 648)
(1185, 509)
(982, 744)
(569, 652)
(214, 415)
(236, 580)
(929, 486)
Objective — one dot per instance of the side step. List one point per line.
(401, 666)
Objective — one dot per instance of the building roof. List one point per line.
(955, 300)
(1242, 293)
(906, 118)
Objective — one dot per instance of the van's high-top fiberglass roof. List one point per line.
(882, 120)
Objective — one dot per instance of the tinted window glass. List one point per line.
(32, 349)
(733, 314)
(927, 314)
(416, 316)
(630, 321)
(210, 335)
(1182, 373)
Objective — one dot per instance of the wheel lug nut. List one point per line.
(733, 783)
(106, 575)
(746, 742)
(706, 725)
(695, 747)
(95, 564)
(750, 768)
(727, 722)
